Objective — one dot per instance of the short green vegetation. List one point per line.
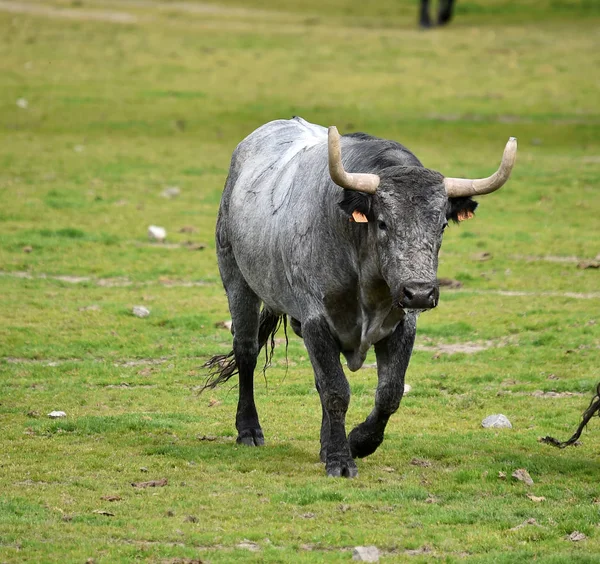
(105, 104)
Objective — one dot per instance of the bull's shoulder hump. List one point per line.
(295, 131)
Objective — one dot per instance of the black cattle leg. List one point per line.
(393, 356)
(424, 20)
(445, 11)
(244, 306)
(334, 391)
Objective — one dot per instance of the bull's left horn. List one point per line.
(461, 187)
(360, 182)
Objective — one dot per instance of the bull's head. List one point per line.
(407, 209)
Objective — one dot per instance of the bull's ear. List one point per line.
(460, 209)
(357, 206)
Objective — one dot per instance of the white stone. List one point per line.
(496, 421)
(157, 233)
(407, 388)
(140, 311)
(171, 192)
(365, 554)
(22, 103)
(56, 414)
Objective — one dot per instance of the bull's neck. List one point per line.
(374, 290)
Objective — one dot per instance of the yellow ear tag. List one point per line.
(359, 217)
(464, 214)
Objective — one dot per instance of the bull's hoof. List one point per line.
(362, 442)
(341, 468)
(251, 437)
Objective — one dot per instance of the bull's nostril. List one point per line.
(408, 294)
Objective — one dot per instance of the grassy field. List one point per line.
(105, 104)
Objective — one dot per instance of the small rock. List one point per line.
(365, 554)
(156, 233)
(171, 192)
(449, 283)
(33, 414)
(143, 469)
(523, 476)
(27, 249)
(496, 421)
(56, 414)
(420, 462)
(111, 498)
(22, 103)
(502, 475)
(151, 484)
(191, 519)
(224, 325)
(140, 311)
(576, 536)
(482, 256)
(536, 498)
(103, 512)
(530, 521)
(194, 246)
(188, 229)
(407, 388)
(308, 515)
(249, 545)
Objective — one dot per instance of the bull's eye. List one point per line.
(382, 225)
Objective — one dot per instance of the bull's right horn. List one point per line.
(360, 182)
(461, 187)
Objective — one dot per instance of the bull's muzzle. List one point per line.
(419, 295)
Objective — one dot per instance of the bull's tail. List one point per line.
(222, 367)
(593, 409)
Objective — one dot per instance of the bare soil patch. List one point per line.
(67, 13)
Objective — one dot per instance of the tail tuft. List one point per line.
(222, 367)
(593, 409)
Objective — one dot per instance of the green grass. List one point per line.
(117, 112)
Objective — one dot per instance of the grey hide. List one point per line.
(285, 239)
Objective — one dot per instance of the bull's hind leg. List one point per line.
(244, 306)
(334, 391)
(393, 355)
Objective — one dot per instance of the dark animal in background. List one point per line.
(342, 236)
(445, 8)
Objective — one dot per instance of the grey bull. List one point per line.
(341, 236)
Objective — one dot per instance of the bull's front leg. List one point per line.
(393, 354)
(334, 391)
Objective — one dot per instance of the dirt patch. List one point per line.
(454, 348)
(542, 394)
(117, 282)
(67, 13)
(559, 259)
(199, 8)
(525, 293)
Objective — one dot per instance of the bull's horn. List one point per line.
(360, 182)
(461, 187)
